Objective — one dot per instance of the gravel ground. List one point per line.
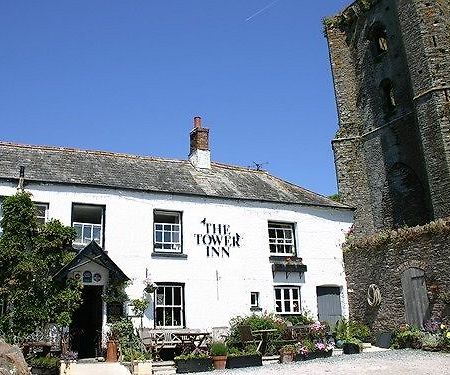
(392, 362)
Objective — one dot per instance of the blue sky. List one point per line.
(129, 75)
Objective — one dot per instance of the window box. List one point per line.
(288, 267)
(246, 360)
(193, 365)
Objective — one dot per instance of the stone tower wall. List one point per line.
(392, 164)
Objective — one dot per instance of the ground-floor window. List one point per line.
(169, 305)
(287, 299)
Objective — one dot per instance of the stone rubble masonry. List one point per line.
(393, 164)
(384, 266)
(386, 160)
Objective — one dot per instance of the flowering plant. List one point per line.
(150, 285)
(318, 330)
(323, 347)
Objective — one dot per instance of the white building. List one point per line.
(218, 240)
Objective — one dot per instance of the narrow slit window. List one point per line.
(388, 95)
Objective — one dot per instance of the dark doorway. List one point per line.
(329, 304)
(86, 327)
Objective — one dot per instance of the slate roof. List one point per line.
(123, 171)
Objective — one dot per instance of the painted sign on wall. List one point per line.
(218, 239)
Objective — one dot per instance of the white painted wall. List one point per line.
(208, 303)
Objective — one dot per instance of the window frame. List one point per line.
(180, 232)
(46, 217)
(256, 303)
(282, 299)
(292, 226)
(102, 224)
(182, 306)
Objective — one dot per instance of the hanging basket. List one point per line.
(150, 289)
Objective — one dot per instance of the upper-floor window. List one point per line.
(287, 299)
(169, 305)
(88, 222)
(41, 212)
(378, 37)
(388, 95)
(167, 231)
(281, 239)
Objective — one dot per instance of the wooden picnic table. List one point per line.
(191, 342)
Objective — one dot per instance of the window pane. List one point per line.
(158, 236)
(177, 321)
(167, 237)
(295, 293)
(78, 229)
(168, 321)
(159, 316)
(158, 227)
(168, 296)
(278, 293)
(287, 306)
(160, 296)
(176, 237)
(296, 307)
(286, 293)
(167, 228)
(96, 234)
(278, 307)
(177, 296)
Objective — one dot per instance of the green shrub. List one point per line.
(406, 337)
(186, 357)
(298, 320)
(349, 329)
(45, 362)
(130, 344)
(256, 322)
(218, 348)
(432, 342)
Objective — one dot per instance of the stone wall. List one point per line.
(382, 261)
(393, 166)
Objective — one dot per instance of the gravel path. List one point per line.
(392, 362)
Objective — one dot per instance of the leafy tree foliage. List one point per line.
(30, 255)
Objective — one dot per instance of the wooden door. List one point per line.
(329, 304)
(415, 297)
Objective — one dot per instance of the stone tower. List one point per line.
(391, 67)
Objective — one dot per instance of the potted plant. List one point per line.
(351, 346)
(112, 346)
(287, 353)
(139, 306)
(248, 357)
(200, 362)
(47, 365)
(322, 350)
(219, 351)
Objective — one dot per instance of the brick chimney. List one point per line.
(199, 154)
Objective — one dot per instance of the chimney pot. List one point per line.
(197, 122)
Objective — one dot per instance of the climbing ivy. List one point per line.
(30, 255)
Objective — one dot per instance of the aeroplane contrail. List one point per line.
(262, 10)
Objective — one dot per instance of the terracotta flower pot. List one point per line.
(112, 351)
(220, 362)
